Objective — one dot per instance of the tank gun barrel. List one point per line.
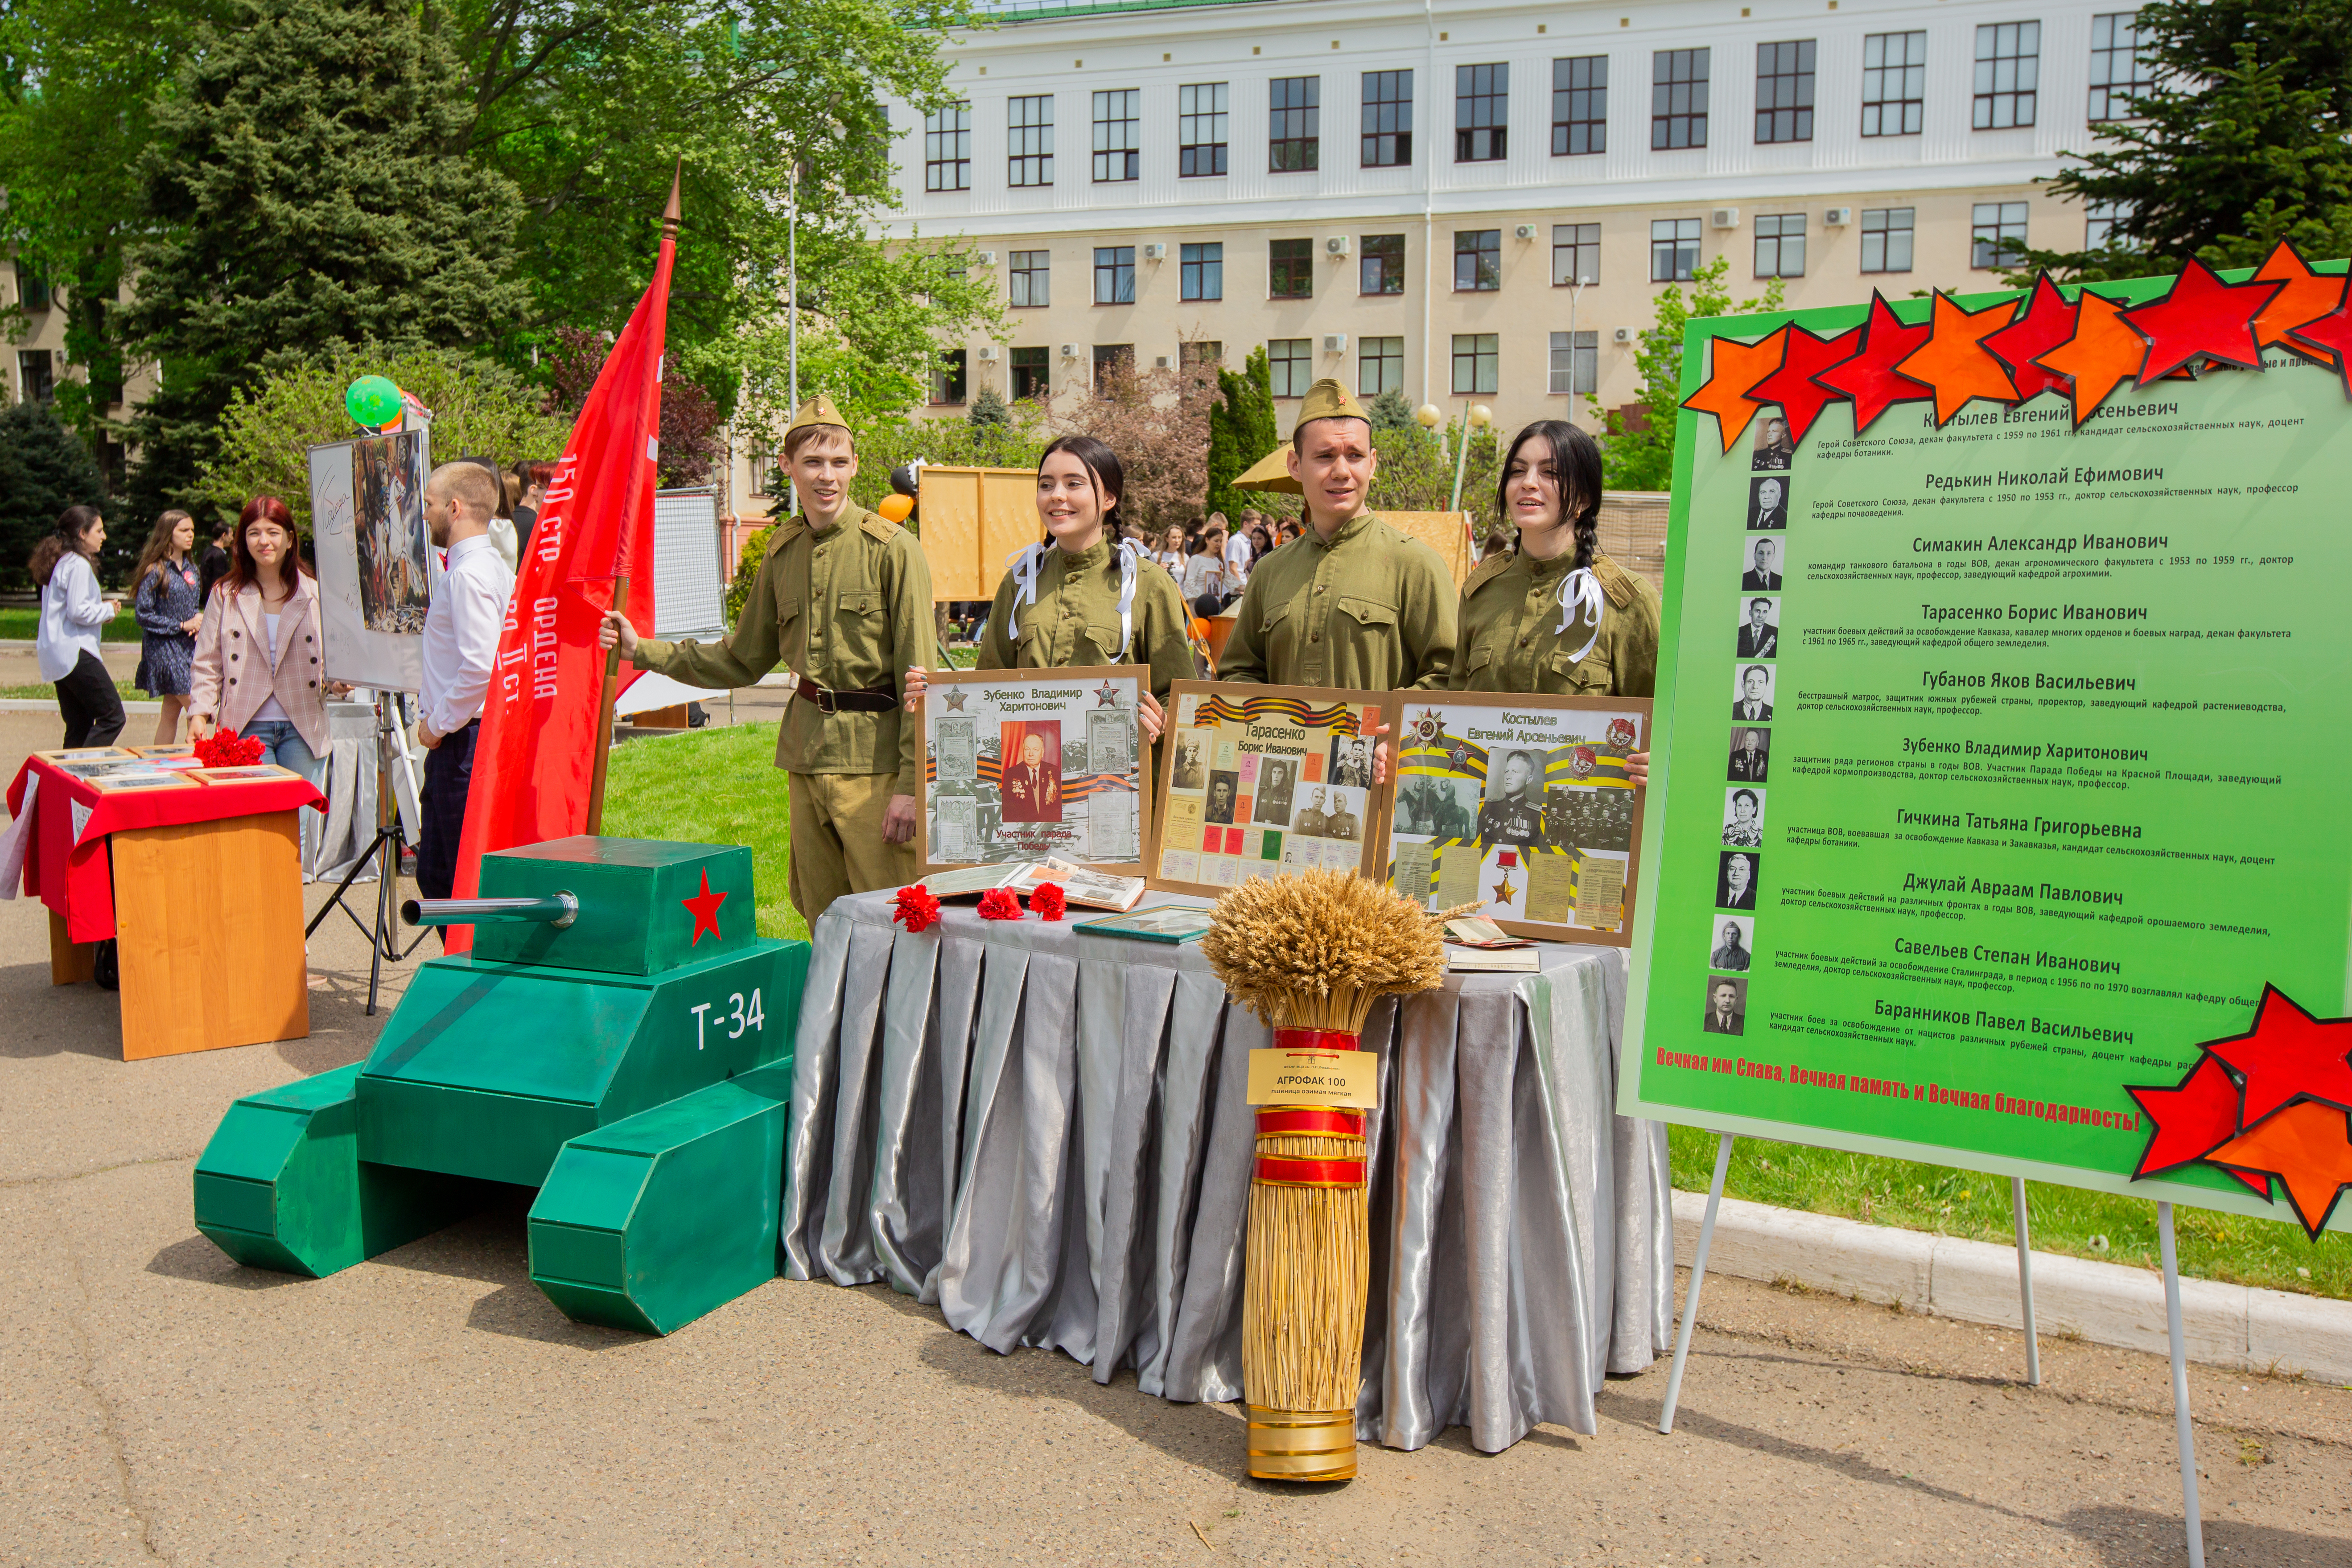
(557, 910)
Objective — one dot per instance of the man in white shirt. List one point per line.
(1237, 560)
(461, 646)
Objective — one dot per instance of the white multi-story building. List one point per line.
(1481, 201)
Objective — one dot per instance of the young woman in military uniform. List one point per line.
(1083, 596)
(1555, 615)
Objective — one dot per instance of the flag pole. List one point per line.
(612, 691)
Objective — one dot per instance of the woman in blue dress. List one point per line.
(170, 611)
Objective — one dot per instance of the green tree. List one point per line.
(1416, 471)
(44, 468)
(2239, 142)
(1241, 430)
(481, 409)
(304, 198)
(1638, 454)
(1391, 411)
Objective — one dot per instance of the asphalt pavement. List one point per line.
(164, 1404)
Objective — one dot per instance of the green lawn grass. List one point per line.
(129, 692)
(717, 785)
(22, 625)
(720, 786)
(2213, 1246)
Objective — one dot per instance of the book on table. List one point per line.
(1084, 888)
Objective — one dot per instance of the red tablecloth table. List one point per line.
(199, 884)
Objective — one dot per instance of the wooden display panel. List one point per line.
(973, 519)
(209, 927)
(1063, 709)
(1522, 804)
(1287, 758)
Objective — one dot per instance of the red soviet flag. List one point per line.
(540, 717)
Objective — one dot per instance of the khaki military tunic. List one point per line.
(1371, 611)
(1510, 608)
(850, 608)
(1074, 620)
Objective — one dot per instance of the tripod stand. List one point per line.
(384, 932)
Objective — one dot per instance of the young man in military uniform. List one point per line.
(1353, 601)
(843, 602)
(1341, 822)
(1311, 816)
(1514, 816)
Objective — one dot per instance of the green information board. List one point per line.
(2005, 727)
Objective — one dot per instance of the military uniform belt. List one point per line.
(876, 700)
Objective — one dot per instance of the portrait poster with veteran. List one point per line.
(1521, 805)
(2025, 852)
(1267, 781)
(1024, 765)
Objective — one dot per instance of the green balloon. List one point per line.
(371, 401)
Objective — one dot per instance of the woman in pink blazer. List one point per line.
(259, 668)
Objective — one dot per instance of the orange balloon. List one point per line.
(896, 508)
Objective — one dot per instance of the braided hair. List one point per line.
(1576, 458)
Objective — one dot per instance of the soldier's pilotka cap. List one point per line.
(1327, 399)
(819, 410)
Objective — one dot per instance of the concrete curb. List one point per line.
(2237, 1326)
(48, 705)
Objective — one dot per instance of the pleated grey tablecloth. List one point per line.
(1045, 1134)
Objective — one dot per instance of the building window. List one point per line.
(1576, 367)
(1114, 275)
(1784, 91)
(1293, 362)
(947, 148)
(1380, 366)
(1482, 112)
(1200, 130)
(1995, 223)
(947, 377)
(1894, 83)
(1113, 361)
(1295, 132)
(763, 458)
(1200, 351)
(1290, 269)
(1031, 377)
(1780, 245)
(1387, 119)
(1678, 98)
(1575, 253)
(1029, 279)
(1886, 239)
(1029, 128)
(1477, 259)
(1118, 136)
(1202, 271)
(2117, 68)
(2009, 68)
(2099, 220)
(1383, 267)
(1579, 106)
(32, 290)
(1475, 354)
(1673, 249)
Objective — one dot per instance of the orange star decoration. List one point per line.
(2308, 1148)
(2306, 297)
(1953, 360)
(2102, 354)
(1736, 369)
(1503, 890)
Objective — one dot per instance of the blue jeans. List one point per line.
(283, 744)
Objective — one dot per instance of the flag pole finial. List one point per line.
(670, 214)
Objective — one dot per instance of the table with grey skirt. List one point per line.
(1046, 1133)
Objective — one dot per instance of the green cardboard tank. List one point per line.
(591, 1046)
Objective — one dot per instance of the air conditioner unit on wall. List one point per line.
(1070, 351)
(1161, 362)
(1622, 335)
(1338, 244)
(1155, 251)
(1335, 342)
(987, 353)
(1837, 217)
(1524, 231)
(988, 259)
(1725, 217)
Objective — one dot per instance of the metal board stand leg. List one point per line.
(2184, 1429)
(2025, 1279)
(1698, 1277)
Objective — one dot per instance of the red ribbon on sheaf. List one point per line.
(1310, 1121)
(999, 904)
(917, 909)
(1282, 1171)
(1317, 1040)
(1047, 901)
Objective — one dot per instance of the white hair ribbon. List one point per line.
(1024, 564)
(1579, 594)
(1129, 552)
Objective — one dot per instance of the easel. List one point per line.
(2183, 1433)
(383, 935)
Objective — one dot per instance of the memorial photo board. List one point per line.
(1520, 804)
(2021, 847)
(373, 551)
(1267, 781)
(1023, 764)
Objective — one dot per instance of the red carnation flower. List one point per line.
(224, 749)
(917, 910)
(1047, 901)
(999, 904)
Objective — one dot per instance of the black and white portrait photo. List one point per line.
(1768, 503)
(1222, 788)
(1763, 574)
(1743, 819)
(1752, 694)
(1351, 761)
(1759, 627)
(1751, 754)
(1727, 1006)
(1275, 777)
(1733, 943)
(1773, 449)
(1735, 881)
